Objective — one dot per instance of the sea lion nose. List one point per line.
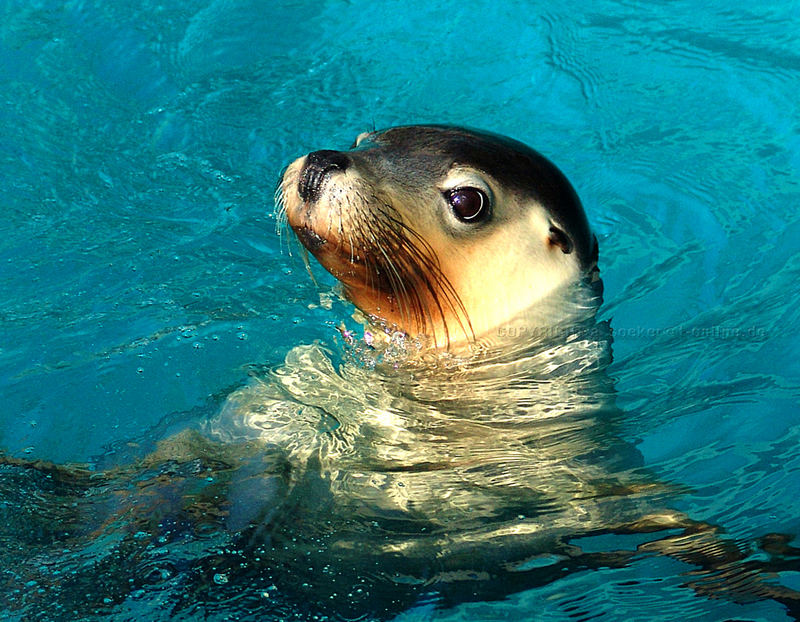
(319, 165)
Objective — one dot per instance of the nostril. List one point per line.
(334, 160)
(319, 165)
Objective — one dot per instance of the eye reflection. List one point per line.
(468, 204)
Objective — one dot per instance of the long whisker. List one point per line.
(434, 280)
(281, 217)
(380, 236)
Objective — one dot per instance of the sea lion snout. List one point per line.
(319, 165)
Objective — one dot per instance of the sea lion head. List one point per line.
(440, 231)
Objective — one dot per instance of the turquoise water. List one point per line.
(144, 282)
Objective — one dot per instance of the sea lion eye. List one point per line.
(468, 204)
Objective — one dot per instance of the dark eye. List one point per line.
(469, 204)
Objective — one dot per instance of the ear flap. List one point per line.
(560, 239)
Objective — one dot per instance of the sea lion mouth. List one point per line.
(337, 254)
(310, 238)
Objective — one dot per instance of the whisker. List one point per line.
(281, 216)
(435, 281)
(396, 280)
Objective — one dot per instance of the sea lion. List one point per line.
(443, 231)
(326, 488)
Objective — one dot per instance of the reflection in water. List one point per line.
(361, 489)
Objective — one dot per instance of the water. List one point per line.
(144, 285)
